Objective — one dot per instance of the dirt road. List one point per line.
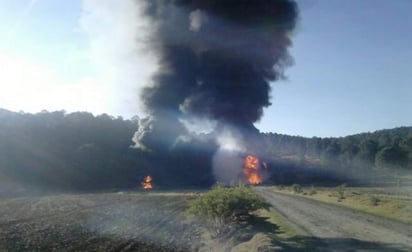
(340, 229)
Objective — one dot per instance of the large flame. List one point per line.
(251, 170)
(147, 183)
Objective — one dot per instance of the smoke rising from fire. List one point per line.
(216, 60)
(227, 162)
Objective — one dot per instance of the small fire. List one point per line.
(251, 170)
(147, 183)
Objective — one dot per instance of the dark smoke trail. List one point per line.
(217, 59)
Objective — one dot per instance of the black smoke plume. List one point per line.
(216, 61)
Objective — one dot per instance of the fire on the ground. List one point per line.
(147, 183)
(252, 170)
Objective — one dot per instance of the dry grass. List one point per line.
(374, 201)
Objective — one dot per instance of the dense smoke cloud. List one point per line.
(216, 60)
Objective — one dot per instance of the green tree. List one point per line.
(330, 154)
(392, 157)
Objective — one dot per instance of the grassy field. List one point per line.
(393, 203)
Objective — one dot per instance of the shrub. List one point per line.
(296, 188)
(223, 208)
(341, 192)
(374, 200)
(312, 190)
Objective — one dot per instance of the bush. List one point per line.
(374, 200)
(223, 208)
(341, 192)
(296, 188)
(312, 190)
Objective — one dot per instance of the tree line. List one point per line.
(80, 151)
(65, 151)
(356, 156)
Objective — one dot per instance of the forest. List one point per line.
(361, 157)
(82, 152)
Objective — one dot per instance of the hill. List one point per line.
(356, 157)
(80, 151)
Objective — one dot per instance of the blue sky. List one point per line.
(71, 55)
(351, 72)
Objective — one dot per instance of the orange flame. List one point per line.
(147, 183)
(251, 170)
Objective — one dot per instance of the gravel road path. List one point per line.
(339, 228)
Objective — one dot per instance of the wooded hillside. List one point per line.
(79, 151)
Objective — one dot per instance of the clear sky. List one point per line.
(352, 63)
(71, 55)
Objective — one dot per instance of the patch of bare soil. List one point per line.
(97, 222)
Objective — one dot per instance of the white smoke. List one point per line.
(197, 18)
(116, 31)
(228, 161)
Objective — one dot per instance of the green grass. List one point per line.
(284, 230)
(268, 231)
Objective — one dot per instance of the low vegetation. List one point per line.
(375, 201)
(240, 220)
(341, 192)
(312, 190)
(223, 209)
(296, 188)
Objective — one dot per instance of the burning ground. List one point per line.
(97, 222)
(123, 221)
